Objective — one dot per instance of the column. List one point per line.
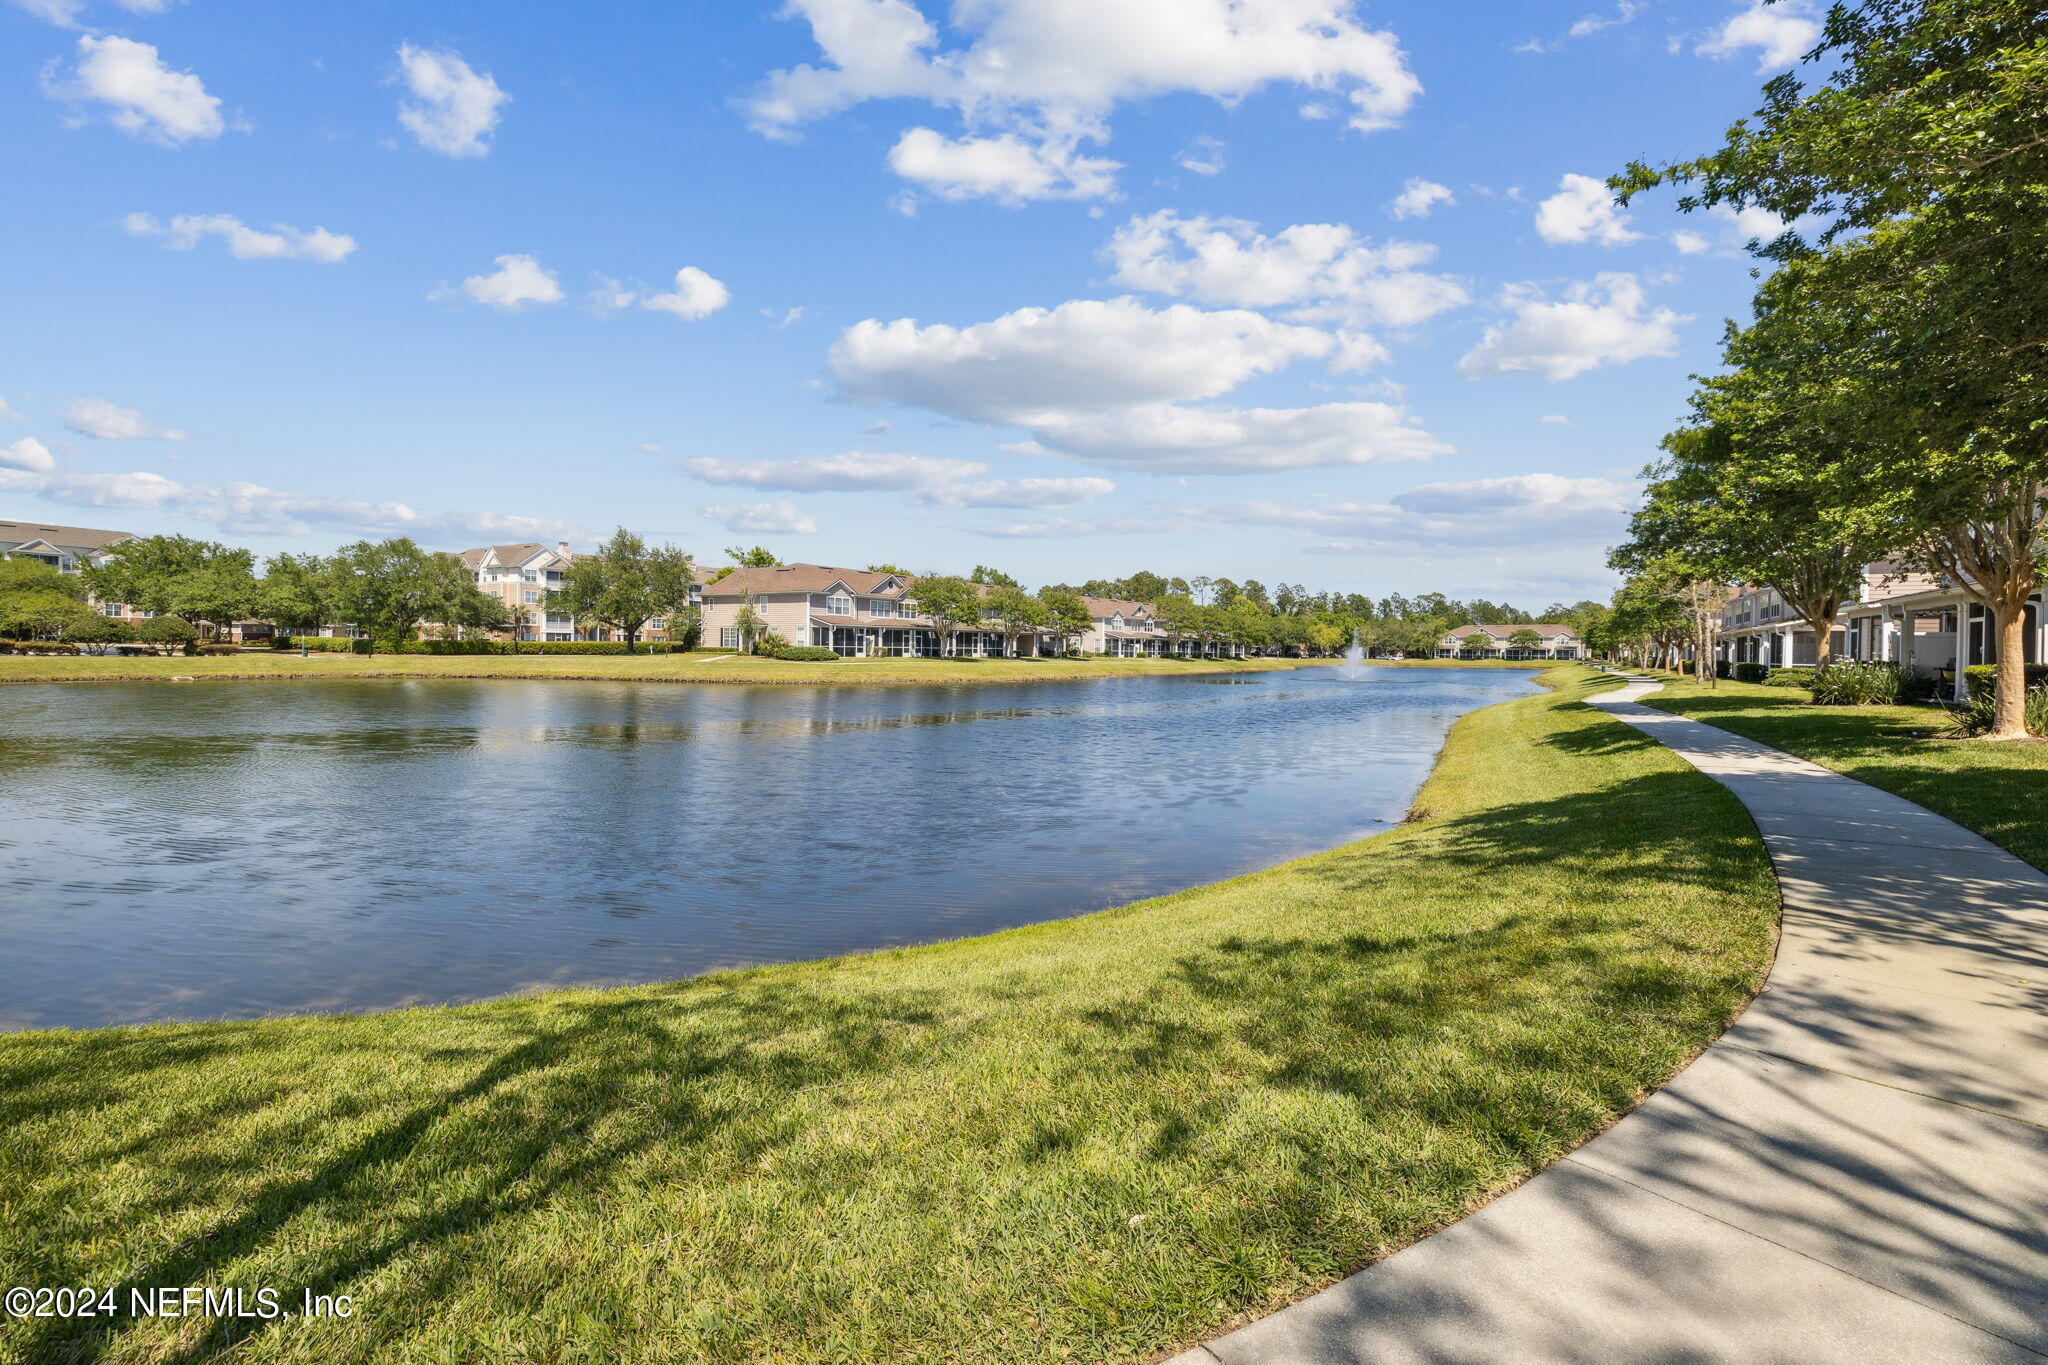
(1962, 688)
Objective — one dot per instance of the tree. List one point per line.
(37, 600)
(390, 586)
(748, 621)
(896, 569)
(994, 578)
(625, 584)
(166, 633)
(757, 558)
(1923, 156)
(1525, 639)
(1017, 613)
(97, 630)
(202, 582)
(1478, 642)
(1066, 616)
(947, 600)
(296, 592)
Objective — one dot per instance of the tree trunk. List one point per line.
(632, 638)
(1823, 645)
(2009, 702)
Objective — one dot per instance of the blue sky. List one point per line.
(1072, 290)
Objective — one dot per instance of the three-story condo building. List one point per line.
(1553, 641)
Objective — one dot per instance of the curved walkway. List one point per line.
(1856, 1171)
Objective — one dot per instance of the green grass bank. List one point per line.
(668, 668)
(2000, 790)
(1094, 1139)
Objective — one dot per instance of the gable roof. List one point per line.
(1112, 606)
(806, 578)
(1548, 630)
(506, 555)
(73, 539)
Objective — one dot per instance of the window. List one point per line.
(839, 606)
(530, 595)
(528, 576)
(881, 606)
(729, 637)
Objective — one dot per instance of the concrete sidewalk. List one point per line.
(1856, 1171)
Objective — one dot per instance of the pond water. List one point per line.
(240, 849)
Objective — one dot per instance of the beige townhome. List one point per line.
(852, 612)
(521, 575)
(1915, 620)
(1132, 630)
(1554, 641)
(68, 549)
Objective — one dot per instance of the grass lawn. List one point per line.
(695, 667)
(2000, 790)
(1087, 1140)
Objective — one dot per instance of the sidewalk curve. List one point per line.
(1856, 1171)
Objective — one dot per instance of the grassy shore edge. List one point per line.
(1348, 1087)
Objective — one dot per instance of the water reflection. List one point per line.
(240, 850)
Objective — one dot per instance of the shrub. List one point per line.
(314, 644)
(220, 649)
(1982, 679)
(1789, 677)
(165, 630)
(1975, 718)
(770, 644)
(810, 654)
(1722, 668)
(1752, 673)
(1861, 684)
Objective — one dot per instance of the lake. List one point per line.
(224, 850)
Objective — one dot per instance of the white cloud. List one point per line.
(1017, 493)
(1111, 382)
(1603, 321)
(1324, 270)
(245, 243)
(1419, 197)
(453, 108)
(696, 295)
(65, 13)
(1690, 243)
(1524, 509)
(1781, 33)
(517, 282)
(144, 97)
(98, 418)
(1593, 23)
(1203, 156)
(30, 454)
(8, 414)
(1583, 210)
(1557, 419)
(1733, 229)
(779, 518)
(852, 471)
(252, 509)
(1048, 72)
(1068, 528)
(1006, 168)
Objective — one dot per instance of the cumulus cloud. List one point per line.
(1017, 493)
(1780, 33)
(517, 282)
(696, 295)
(1583, 210)
(252, 509)
(1418, 198)
(1203, 156)
(66, 13)
(1113, 382)
(30, 454)
(453, 108)
(1007, 168)
(1603, 321)
(1324, 271)
(778, 518)
(1523, 509)
(245, 243)
(98, 418)
(854, 471)
(141, 96)
(1051, 73)
(1730, 230)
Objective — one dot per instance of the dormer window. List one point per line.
(839, 606)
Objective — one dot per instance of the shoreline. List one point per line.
(928, 1064)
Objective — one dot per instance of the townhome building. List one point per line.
(1126, 629)
(69, 549)
(1916, 620)
(853, 612)
(1554, 641)
(522, 574)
